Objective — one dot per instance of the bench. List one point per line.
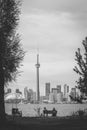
(52, 112)
(16, 112)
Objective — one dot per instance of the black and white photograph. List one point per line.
(43, 64)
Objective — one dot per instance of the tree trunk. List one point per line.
(2, 106)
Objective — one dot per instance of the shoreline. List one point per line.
(29, 110)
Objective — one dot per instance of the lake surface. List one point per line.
(62, 109)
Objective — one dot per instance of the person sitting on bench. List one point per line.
(16, 112)
(54, 112)
(45, 111)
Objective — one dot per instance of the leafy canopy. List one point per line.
(11, 51)
(81, 68)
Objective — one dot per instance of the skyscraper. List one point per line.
(73, 92)
(59, 97)
(18, 91)
(47, 89)
(8, 91)
(26, 93)
(59, 88)
(31, 95)
(51, 97)
(37, 69)
(55, 91)
(66, 90)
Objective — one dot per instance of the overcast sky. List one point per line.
(57, 28)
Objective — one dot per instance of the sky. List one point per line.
(55, 29)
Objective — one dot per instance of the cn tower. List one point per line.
(37, 71)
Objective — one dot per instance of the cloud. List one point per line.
(77, 8)
(59, 5)
(46, 29)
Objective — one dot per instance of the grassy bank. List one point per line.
(39, 123)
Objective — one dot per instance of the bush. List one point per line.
(79, 114)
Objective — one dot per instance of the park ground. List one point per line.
(44, 123)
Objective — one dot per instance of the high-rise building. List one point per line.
(31, 95)
(73, 92)
(26, 93)
(59, 97)
(18, 91)
(51, 97)
(8, 91)
(66, 90)
(34, 96)
(47, 89)
(59, 88)
(55, 91)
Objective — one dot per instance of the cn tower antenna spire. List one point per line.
(37, 81)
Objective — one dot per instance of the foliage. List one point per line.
(76, 99)
(11, 52)
(81, 70)
(38, 109)
(79, 114)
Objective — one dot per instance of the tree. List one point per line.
(81, 70)
(11, 51)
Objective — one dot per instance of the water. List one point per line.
(62, 109)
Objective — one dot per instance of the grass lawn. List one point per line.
(39, 123)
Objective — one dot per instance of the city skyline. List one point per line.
(57, 28)
(51, 94)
